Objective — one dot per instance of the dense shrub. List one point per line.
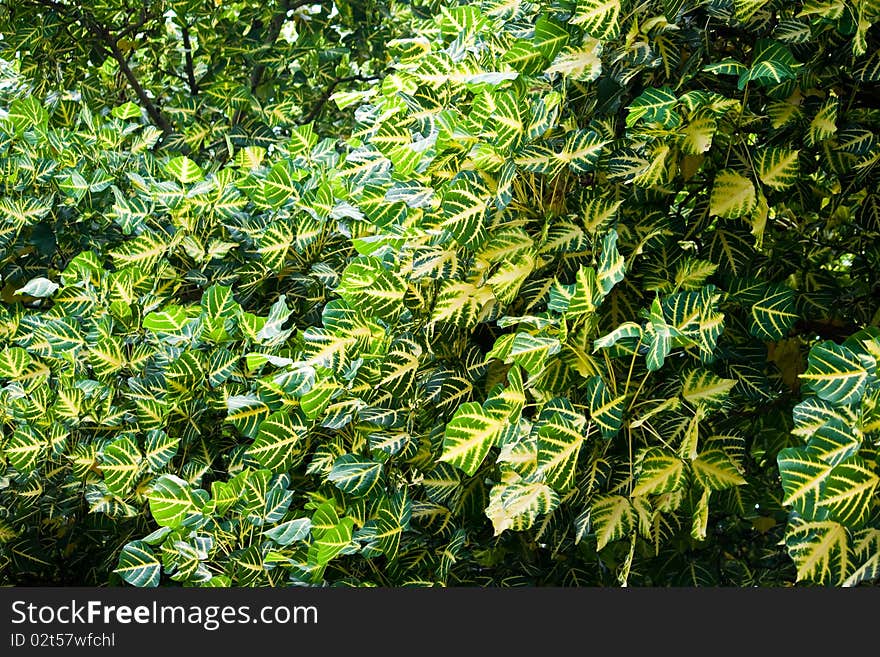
(550, 293)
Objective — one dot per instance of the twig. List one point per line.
(134, 28)
(274, 32)
(319, 105)
(190, 72)
(156, 115)
(107, 42)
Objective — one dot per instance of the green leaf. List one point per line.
(138, 565)
(626, 331)
(219, 314)
(700, 518)
(653, 106)
(120, 465)
(606, 410)
(392, 519)
(774, 315)
(611, 266)
(834, 441)
(771, 64)
(27, 113)
(820, 550)
(441, 482)
(550, 37)
(507, 120)
(170, 320)
(324, 518)
(599, 18)
(587, 295)
(509, 277)
(272, 333)
(142, 251)
(302, 140)
(803, 476)
(25, 449)
(697, 135)
(658, 337)
(745, 9)
(126, 111)
(172, 501)
(14, 362)
(316, 400)
(355, 476)
(275, 243)
(370, 288)
(732, 195)
(599, 212)
(849, 492)
(559, 443)
(658, 472)
(702, 388)
(463, 211)
(531, 351)
(184, 170)
(865, 549)
(279, 441)
(726, 66)
(583, 64)
(824, 124)
(582, 150)
(250, 157)
(612, 518)
(517, 506)
(159, 449)
(280, 186)
(469, 436)
(777, 167)
(835, 373)
(715, 470)
(246, 413)
(74, 186)
(538, 158)
(333, 541)
(63, 335)
(290, 531)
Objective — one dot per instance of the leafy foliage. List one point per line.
(390, 293)
(830, 482)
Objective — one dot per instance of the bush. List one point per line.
(578, 293)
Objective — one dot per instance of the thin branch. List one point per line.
(190, 72)
(319, 105)
(316, 110)
(274, 31)
(108, 43)
(272, 35)
(148, 104)
(172, 74)
(134, 28)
